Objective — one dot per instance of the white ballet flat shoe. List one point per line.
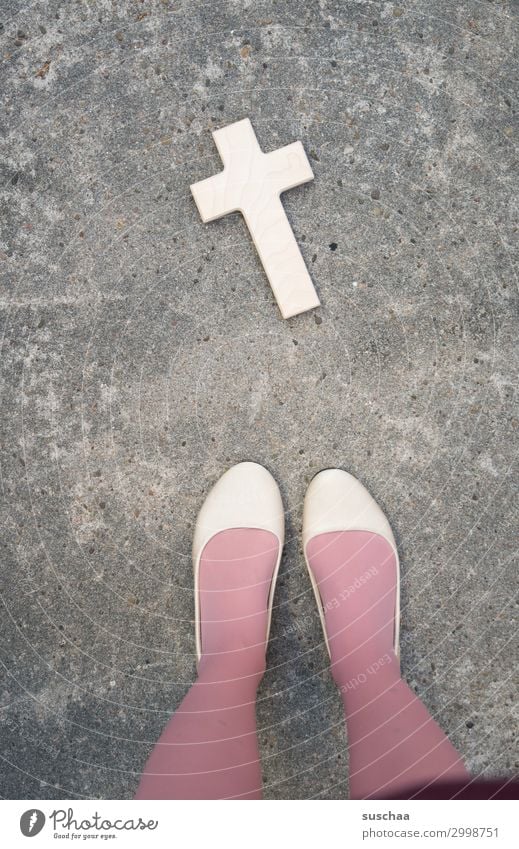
(337, 501)
(246, 496)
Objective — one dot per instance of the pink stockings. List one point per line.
(209, 748)
(393, 742)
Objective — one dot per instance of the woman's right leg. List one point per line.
(393, 741)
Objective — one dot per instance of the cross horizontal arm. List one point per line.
(289, 166)
(215, 197)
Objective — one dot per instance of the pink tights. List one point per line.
(393, 742)
(209, 748)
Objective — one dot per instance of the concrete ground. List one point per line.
(142, 354)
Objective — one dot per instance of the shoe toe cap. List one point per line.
(246, 496)
(336, 501)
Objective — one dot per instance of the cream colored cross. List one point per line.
(251, 183)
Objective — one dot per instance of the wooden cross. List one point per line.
(251, 183)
